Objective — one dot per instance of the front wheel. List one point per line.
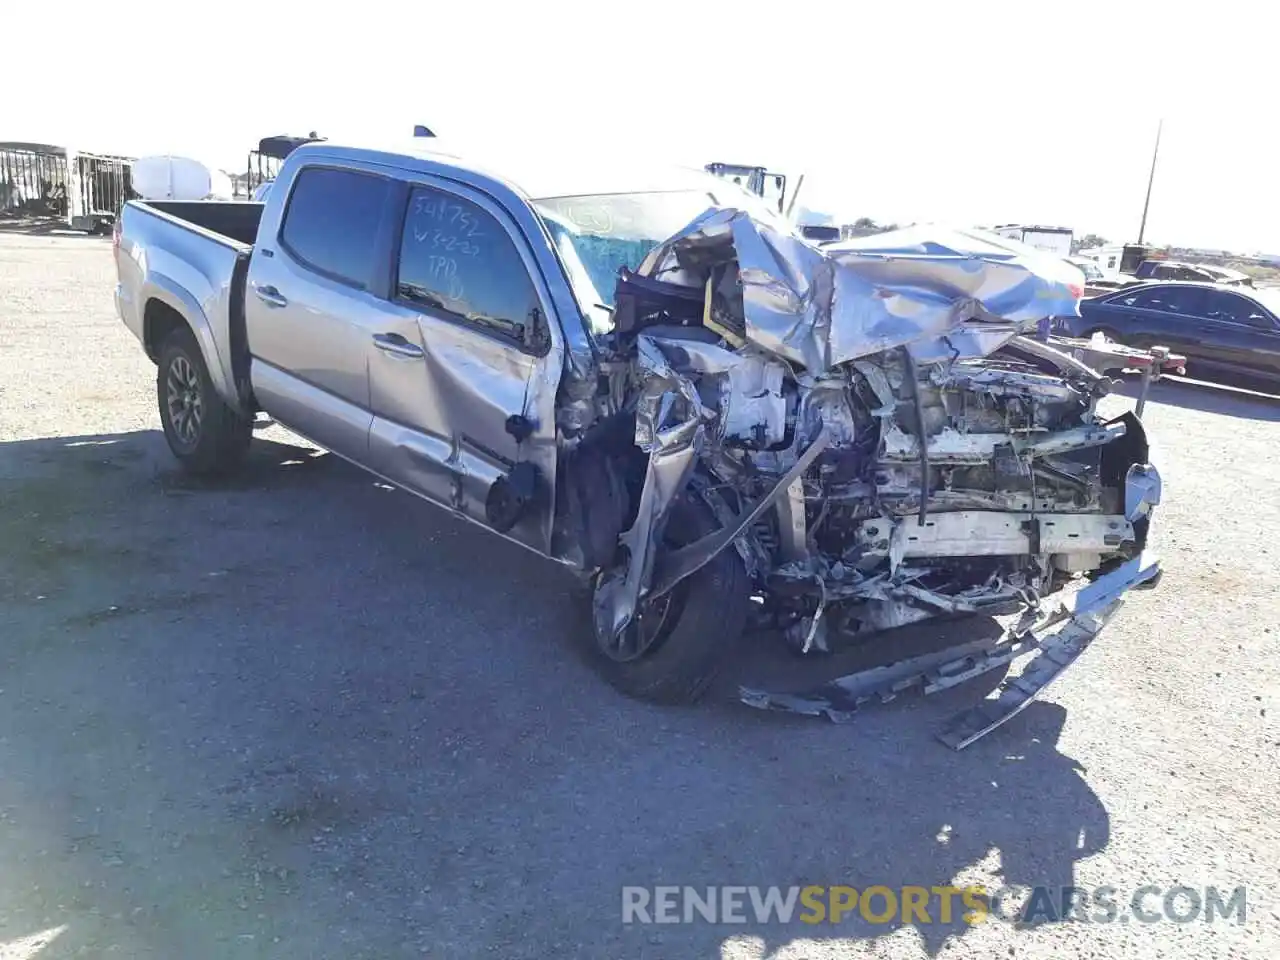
(204, 433)
(675, 644)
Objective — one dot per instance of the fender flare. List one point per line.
(177, 298)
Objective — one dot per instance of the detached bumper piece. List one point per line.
(1060, 636)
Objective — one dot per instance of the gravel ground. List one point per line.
(305, 716)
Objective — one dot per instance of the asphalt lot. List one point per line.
(301, 715)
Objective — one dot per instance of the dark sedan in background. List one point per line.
(1228, 334)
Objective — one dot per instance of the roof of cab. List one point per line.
(538, 173)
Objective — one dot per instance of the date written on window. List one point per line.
(442, 240)
(446, 225)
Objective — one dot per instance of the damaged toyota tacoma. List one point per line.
(650, 378)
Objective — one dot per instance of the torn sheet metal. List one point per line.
(670, 424)
(946, 294)
(1142, 491)
(669, 413)
(1060, 636)
(1087, 612)
(751, 404)
(678, 564)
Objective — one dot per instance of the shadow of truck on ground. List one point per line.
(305, 716)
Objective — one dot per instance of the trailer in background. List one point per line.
(766, 184)
(264, 162)
(46, 182)
(100, 186)
(1055, 240)
(1122, 258)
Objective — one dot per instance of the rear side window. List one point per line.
(457, 259)
(331, 223)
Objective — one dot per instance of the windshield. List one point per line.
(597, 235)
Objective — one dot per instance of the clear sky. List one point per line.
(961, 112)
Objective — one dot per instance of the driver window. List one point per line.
(456, 259)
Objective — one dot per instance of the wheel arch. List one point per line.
(166, 307)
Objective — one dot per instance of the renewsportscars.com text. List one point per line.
(925, 905)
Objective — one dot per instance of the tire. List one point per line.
(206, 436)
(705, 617)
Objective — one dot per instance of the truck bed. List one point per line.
(194, 263)
(232, 220)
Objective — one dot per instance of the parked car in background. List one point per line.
(1228, 334)
(1096, 281)
(1195, 272)
(1228, 276)
(1225, 274)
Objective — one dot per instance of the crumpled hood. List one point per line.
(943, 294)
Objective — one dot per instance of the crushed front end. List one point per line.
(881, 442)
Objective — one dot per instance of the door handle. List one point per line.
(269, 295)
(397, 346)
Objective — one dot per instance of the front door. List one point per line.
(1245, 336)
(466, 361)
(313, 292)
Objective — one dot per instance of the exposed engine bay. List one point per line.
(877, 435)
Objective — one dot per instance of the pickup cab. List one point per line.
(313, 307)
(649, 377)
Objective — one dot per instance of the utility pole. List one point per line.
(1142, 229)
(795, 195)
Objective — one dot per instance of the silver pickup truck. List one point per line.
(650, 378)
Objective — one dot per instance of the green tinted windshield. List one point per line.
(598, 235)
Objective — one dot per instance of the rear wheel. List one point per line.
(675, 644)
(204, 433)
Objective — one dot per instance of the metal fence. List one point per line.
(33, 179)
(104, 184)
(86, 190)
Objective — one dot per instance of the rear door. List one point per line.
(466, 362)
(314, 291)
